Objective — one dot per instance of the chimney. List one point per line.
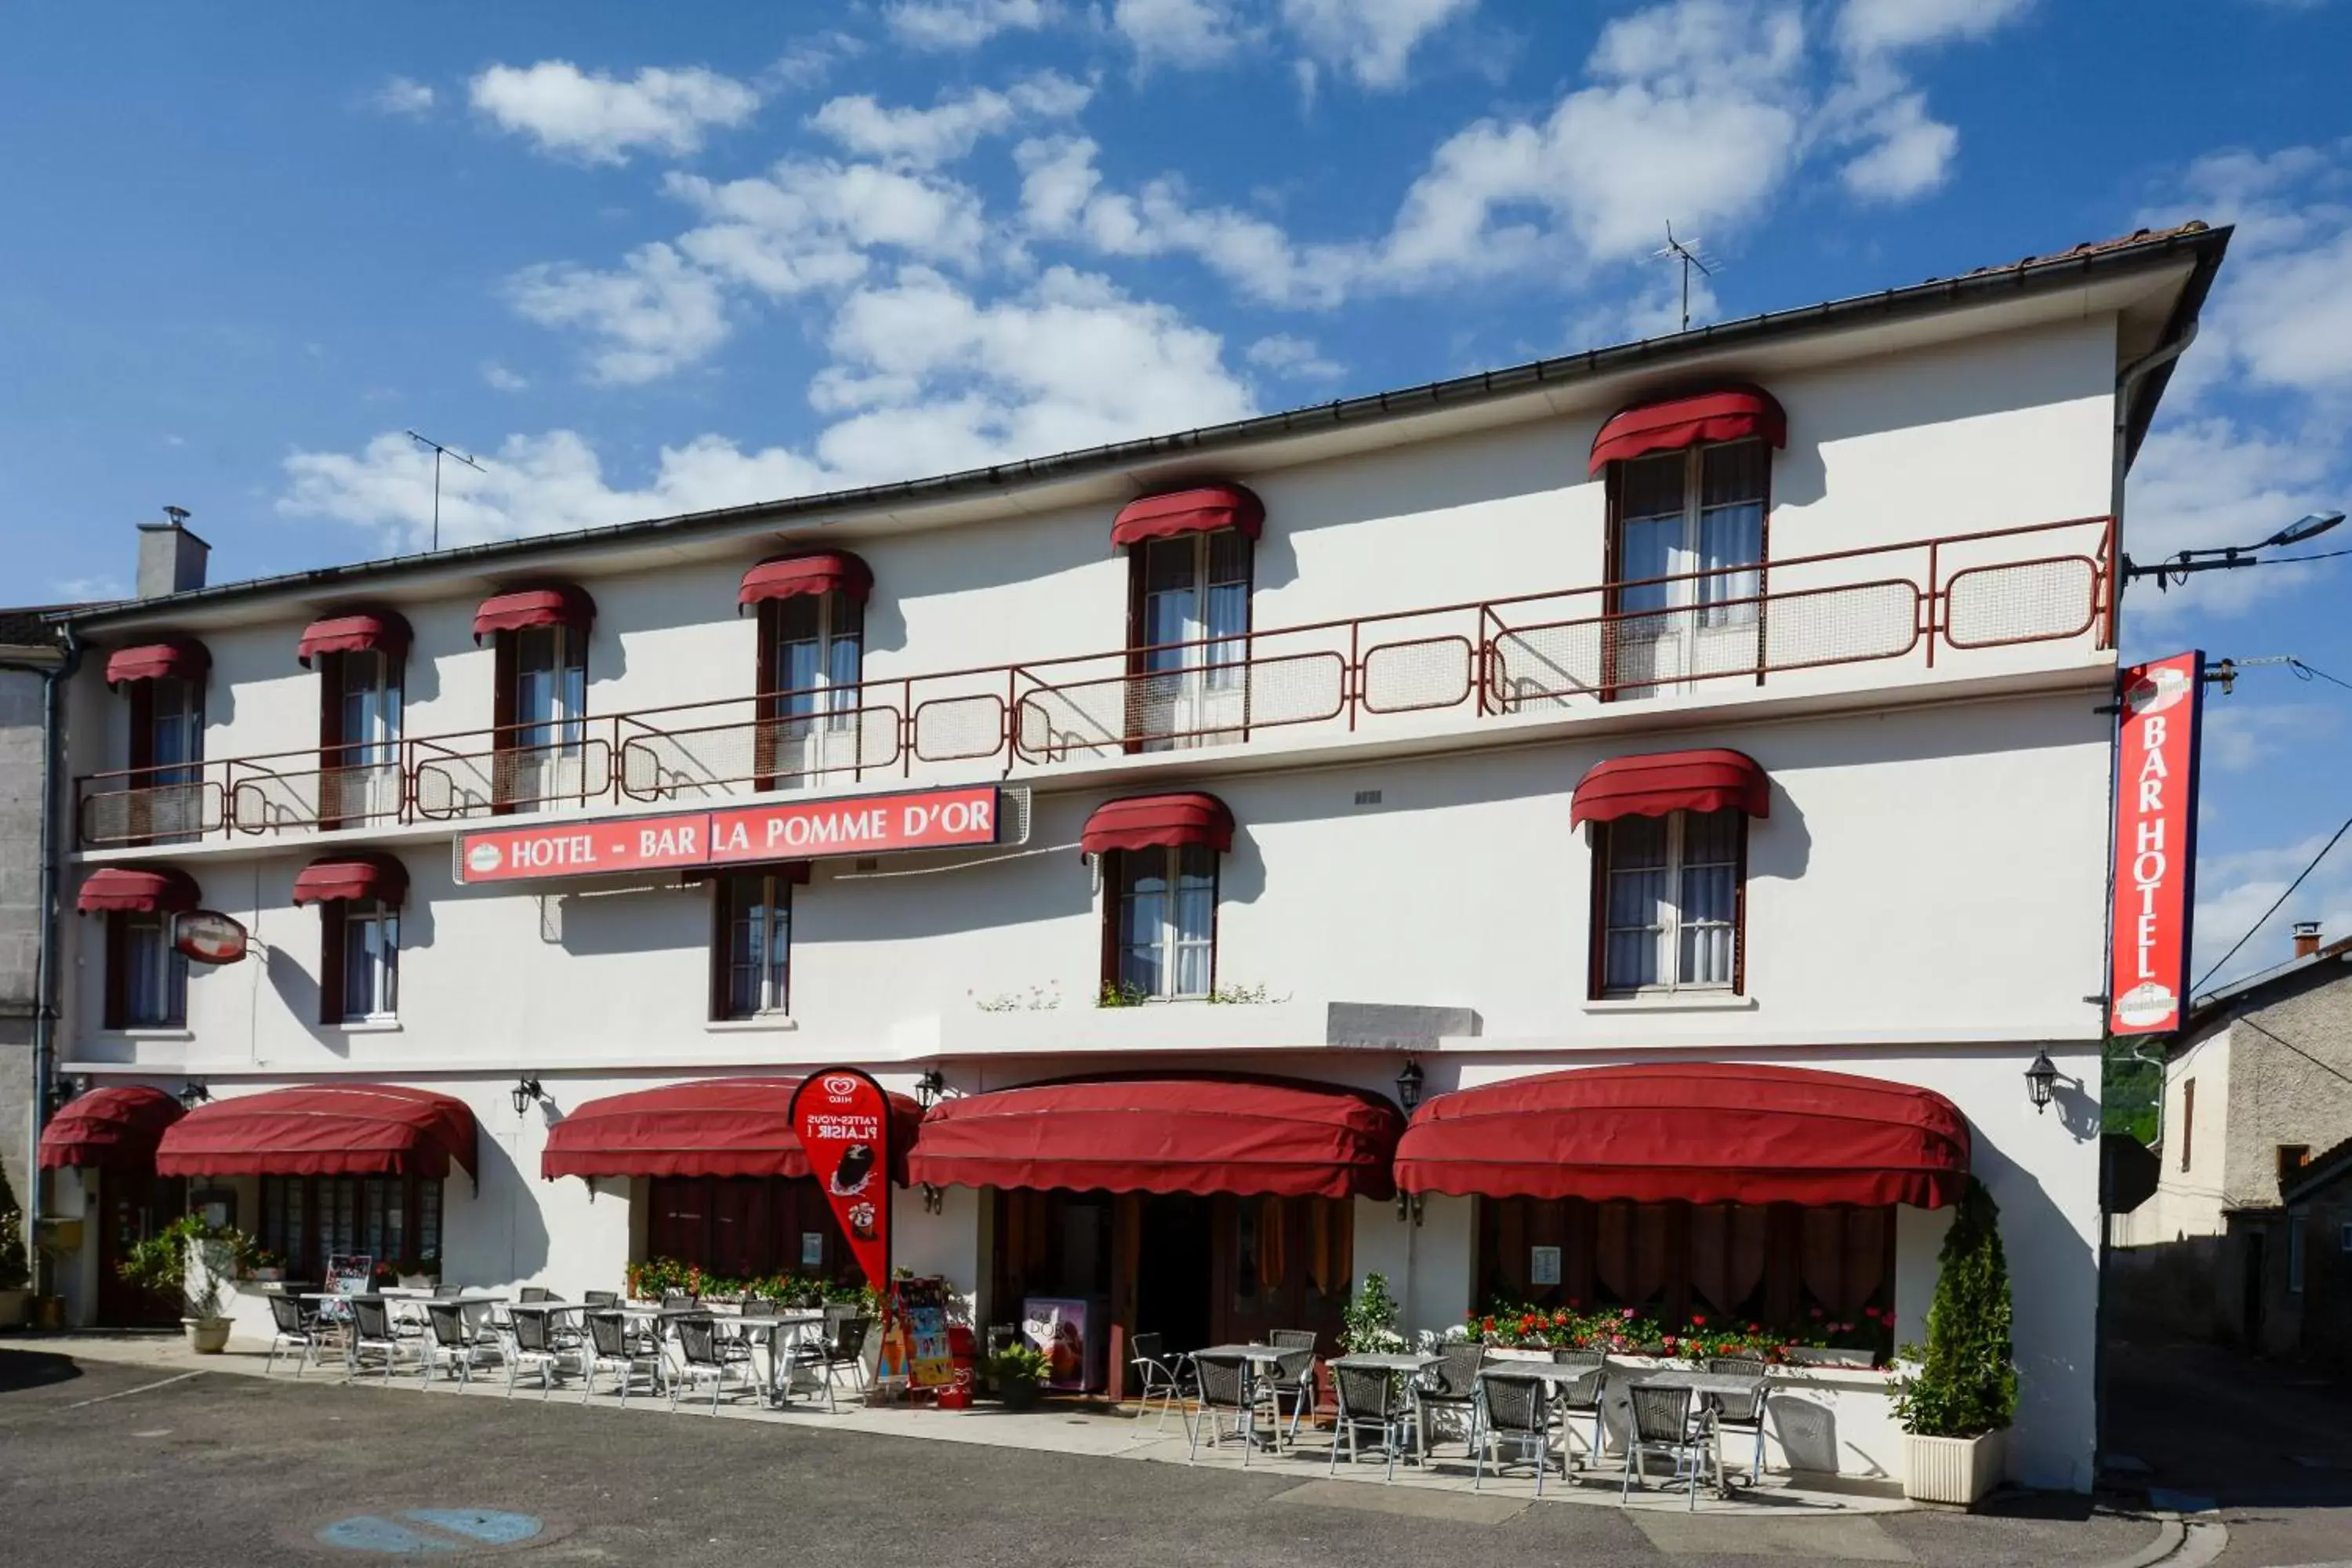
(2306, 938)
(171, 559)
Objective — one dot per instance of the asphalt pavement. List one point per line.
(114, 1465)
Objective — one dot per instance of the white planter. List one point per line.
(206, 1336)
(1957, 1471)
(1810, 1355)
(419, 1281)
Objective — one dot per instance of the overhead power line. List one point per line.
(2275, 905)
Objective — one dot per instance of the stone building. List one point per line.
(30, 649)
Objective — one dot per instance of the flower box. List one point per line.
(1958, 1472)
(1815, 1355)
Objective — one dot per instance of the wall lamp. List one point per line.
(935, 1199)
(928, 1085)
(64, 1090)
(193, 1093)
(2041, 1081)
(1409, 1082)
(526, 1093)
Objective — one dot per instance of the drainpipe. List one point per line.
(44, 1006)
(2127, 381)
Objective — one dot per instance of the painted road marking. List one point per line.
(125, 1394)
(430, 1532)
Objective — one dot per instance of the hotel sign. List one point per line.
(802, 830)
(2156, 844)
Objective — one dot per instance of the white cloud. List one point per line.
(2283, 312)
(961, 24)
(2233, 889)
(601, 118)
(1293, 358)
(501, 379)
(1912, 153)
(1370, 39)
(950, 128)
(808, 225)
(1878, 27)
(1178, 32)
(1905, 152)
(89, 590)
(651, 315)
(2239, 736)
(403, 96)
(2207, 482)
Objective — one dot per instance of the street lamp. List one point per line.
(2041, 1081)
(525, 1094)
(1409, 1084)
(2301, 531)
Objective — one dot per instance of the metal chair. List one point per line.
(1161, 1376)
(455, 1342)
(705, 1357)
(844, 1346)
(532, 1347)
(601, 1298)
(1226, 1386)
(1586, 1394)
(1369, 1397)
(1293, 1377)
(373, 1334)
(1517, 1408)
(1732, 1414)
(609, 1345)
(447, 1292)
(1664, 1424)
(530, 1295)
(1452, 1384)
(291, 1327)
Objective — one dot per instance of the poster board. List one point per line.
(923, 1307)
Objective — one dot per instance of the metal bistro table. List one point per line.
(550, 1310)
(1409, 1364)
(784, 1333)
(1558, 1374)
(1731, 1386)
(1259, 1357)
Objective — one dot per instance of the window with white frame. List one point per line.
(551, 690)
(1697, 512)
(371, 960)
(147, 976)
(1668, 904)
(753, 957)
(1163, 904)
(810, 674)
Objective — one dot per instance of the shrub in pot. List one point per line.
(191, 1258)
(1958, 1404)
(1017, 1372)
(15, 1272)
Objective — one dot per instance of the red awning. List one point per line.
(183, 658)
(1705, 1132)
(338, 879)
(1173, 1133)
(1204, 510)
(1662, 781)
(1733, 414)
(359, 631)
(562, 605)
(831, 572)
(714, 1127)
(323, 1130)
(109, 1128)
(1156, 821)
(140, 889)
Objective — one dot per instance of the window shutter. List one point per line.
(142, 724)
(721, 913)
(118, 964)
(765, 734)
(330, 962)
(1112, 863)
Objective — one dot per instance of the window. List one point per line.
(2292, 1159)
(359, 963)
(752, 951)
(167, 738)
(2298, 1222)
(542, 704)
(359, 736)
(1189, 625)
(1161, 906)
(146, 975)
(810, 671)
(748, 1228)
(2188, 1120)
(1689, 545)
(392, 1219)
(1670, 901)
(2344, 1236)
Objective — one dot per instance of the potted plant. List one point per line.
(1017, 1372)
(1956, 1406)
(15, 1272)
(1368, 1323)
(419, 1273)
(191, 1257)
(262, 1266)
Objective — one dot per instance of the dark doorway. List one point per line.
(130, 1208)
(2251, 1302)
(1175, 1297)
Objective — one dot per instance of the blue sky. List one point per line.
(644, 259)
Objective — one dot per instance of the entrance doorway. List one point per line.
(130, 1208)
(1174, 1292)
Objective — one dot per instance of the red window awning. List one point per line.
(1157, 821)
(828, 571)
(1203, 509)
(1711, 780)
(1706, 1133)
(138, 889)
(184, 659)
(340, 878)
(1732, 413)
(714, 1127)
(358, 631)
(559, 604)
(1174, 1133)
(323, 1130)
(109, 1128)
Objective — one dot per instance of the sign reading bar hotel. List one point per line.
(2156, 844)
(802, 830)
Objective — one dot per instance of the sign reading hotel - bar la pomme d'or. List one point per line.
(2155, 843)
(802, 830)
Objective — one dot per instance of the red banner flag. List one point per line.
(843, 1120)
(2156, 844)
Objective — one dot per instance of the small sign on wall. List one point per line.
(812, 1250)
(1543, 1266)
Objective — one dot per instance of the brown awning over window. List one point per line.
(109, 1128)
(1732, 413)
(184, 659)
(1203, 509)
(1157, 821)
(340, 878)
(323, 1130)
(357, 631)
(712, 1127)
(1663, 782)
(138, 889)
(558, 605)
(828, 571)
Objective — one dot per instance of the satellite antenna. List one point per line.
(1686, 252)
(439, 452)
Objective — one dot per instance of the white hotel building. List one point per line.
(1722, 702)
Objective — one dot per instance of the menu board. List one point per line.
(923, 1304)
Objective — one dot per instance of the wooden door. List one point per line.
(130, 1208)
(1282, 1263)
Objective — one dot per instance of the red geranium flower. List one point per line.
(1817, 1315)
(1698, 1319)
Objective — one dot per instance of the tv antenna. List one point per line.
(439, 452)
(1685, 252)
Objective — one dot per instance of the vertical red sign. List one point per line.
(2156, 844)
(843, 1118)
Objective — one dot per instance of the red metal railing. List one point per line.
(1784, 620)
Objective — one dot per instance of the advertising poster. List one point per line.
(2156, 844)
(923, 1304)
(843, 1120)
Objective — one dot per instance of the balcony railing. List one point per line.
(1926, 603)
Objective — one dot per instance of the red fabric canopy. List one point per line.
(1204, 510)
(1170, 1133)
(109, 1128)
(338, 879)
(357, 631)
(182, 656)
(1156, 821)
(830, 571)
(140, 889)
(1733, 414)
(714, 1127)
(1703, 1132)
(323, 1130)
(560, 604)
(1663, 781)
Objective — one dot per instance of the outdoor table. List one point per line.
(1732, 1384)
(1408, 1364)
(1259, 1357)
(783, 1332)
